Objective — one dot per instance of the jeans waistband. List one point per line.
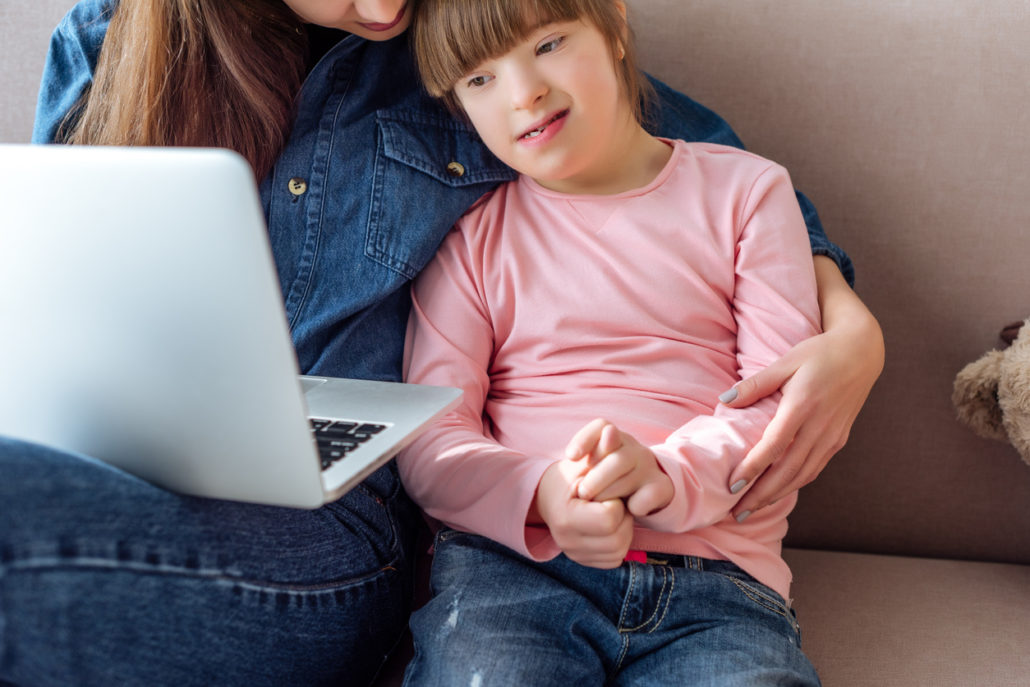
(676, 560)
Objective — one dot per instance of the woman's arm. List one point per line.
(71, 59)
(775, 306)
(825, 381)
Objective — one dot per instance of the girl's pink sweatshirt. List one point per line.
(550, 310)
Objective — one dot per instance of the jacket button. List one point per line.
(456, 169)
(297, 186)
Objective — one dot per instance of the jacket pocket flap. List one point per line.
(441, 147)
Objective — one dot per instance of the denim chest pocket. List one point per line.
(428, 171)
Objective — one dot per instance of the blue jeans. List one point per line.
(497, 618)
(105, 580)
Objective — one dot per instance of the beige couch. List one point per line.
(907, 124)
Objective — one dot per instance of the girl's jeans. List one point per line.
(498, 619)
(107, 580)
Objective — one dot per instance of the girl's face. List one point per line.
(553, 108)
(376, 20)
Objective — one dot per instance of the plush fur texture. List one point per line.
(992, 394)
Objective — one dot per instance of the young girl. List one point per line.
(623, 276)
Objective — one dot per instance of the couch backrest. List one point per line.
(25, 28)
(906, 123)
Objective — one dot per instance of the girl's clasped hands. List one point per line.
(590, 499)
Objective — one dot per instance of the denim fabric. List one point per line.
(497, 618)
(105, 579)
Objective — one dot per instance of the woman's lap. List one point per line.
(106, 579)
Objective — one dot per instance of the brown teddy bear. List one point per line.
(992, 394)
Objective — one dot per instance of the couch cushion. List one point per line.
(890, 620)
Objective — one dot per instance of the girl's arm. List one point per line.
(455, 472)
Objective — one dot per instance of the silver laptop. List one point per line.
(143, 325)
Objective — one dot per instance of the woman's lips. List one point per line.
(386, 27)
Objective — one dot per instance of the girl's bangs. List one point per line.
(467, 33)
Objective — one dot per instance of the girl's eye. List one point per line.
(550, 46)
(477, 81)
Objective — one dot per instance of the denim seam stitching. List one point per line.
(375, 240)
(758, 596)
(393, 149)
(665, 584)
(300, 289)
(387, 503)
(627, 597)
(101, 564)
(764, 600)
(448, 533)
(668, 589)
(622, 614)
(617, 667)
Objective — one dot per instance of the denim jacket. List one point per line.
(375, 173)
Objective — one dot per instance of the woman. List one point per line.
(105, 578)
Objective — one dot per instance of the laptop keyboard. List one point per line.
(335, 439)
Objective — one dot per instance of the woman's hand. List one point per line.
(825, 381)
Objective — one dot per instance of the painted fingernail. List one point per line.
(737, 486)
(728, 396)
(744, 516)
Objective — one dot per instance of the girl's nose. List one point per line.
(527, 88)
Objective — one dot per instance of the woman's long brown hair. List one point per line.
(221, 73)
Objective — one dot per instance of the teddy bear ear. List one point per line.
(1010, 332)
(975, 396)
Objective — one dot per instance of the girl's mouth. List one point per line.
(537, 131)
(386, 27)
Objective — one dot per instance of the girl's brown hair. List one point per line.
(452, 37)
(221, 73)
